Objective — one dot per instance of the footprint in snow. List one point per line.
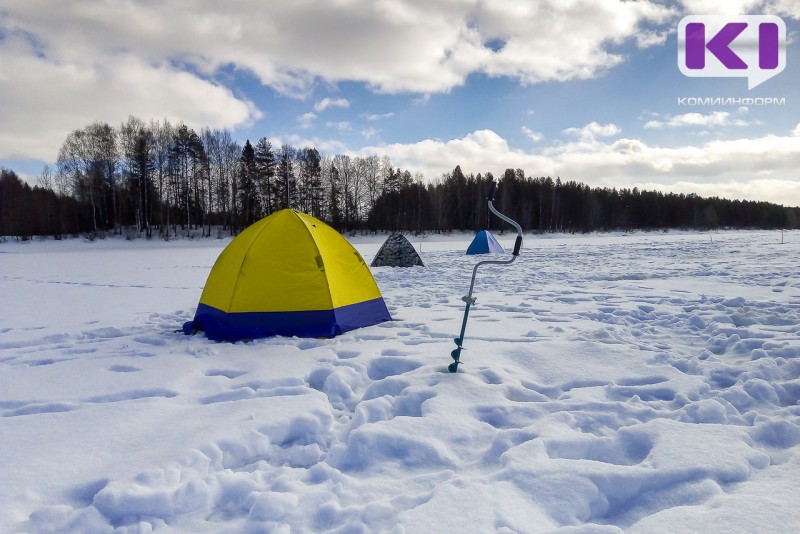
(124, 369)
(383, 367)
(227, 373)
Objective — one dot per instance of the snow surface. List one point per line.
(637, 383)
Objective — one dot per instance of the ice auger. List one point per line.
(468, 299)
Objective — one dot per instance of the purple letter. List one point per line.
(695, 45)
(719, 45)
(768, 47)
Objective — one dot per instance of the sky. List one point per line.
(584, 90)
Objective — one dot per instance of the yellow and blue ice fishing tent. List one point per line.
(288, 274)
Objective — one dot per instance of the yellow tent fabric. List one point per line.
(288, 274)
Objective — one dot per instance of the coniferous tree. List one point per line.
(310, 193)
(248, 185)
(334, 194)
(265, 165)
(285, 184)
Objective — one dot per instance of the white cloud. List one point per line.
(45, 95)
(715, 7)
(788, 8)
(106, 59)
(741, 168)
(562, 40)
(594, 130)
(479, 151)
(396, 46)
(342, 126)
(646, 39)
(326, 103)
(369, 133)
(377, 116)
(306, 120)
(324, 146)
(765, 190)
(534, 136)
(713, 119)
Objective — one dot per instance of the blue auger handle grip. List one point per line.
(492, 188)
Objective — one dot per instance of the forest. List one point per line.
(166, 180)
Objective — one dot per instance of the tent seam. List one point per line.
(324, 270)
(238, 275)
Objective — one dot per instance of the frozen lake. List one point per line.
(638, 383)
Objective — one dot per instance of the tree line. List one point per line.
(541, 204)
(163, 179)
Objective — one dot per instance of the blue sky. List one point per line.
(588, 90)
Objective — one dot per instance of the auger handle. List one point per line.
(517, 245)
(492, 189)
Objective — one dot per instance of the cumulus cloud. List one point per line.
(377, 116)
(594, 130)
(43, 100)
(306, 120)
(788, 8)
(714, 7)
(106, 59)
(342, 126)
(369, 133)
(713, 119)
(741, 168)
(53, 87)
(534, 136)
(326, 103)
(766, 190)
(479, 151)
(646, 39)
(552, 40)
(393, 46)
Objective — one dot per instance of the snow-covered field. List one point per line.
(637, 383)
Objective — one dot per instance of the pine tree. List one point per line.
(248, 191)
(266, 163)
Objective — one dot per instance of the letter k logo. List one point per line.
(719, 45)
(743, 46)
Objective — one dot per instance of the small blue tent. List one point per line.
(484, 243)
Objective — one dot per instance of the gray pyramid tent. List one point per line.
(397, 251)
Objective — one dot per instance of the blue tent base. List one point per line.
(221, 326)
